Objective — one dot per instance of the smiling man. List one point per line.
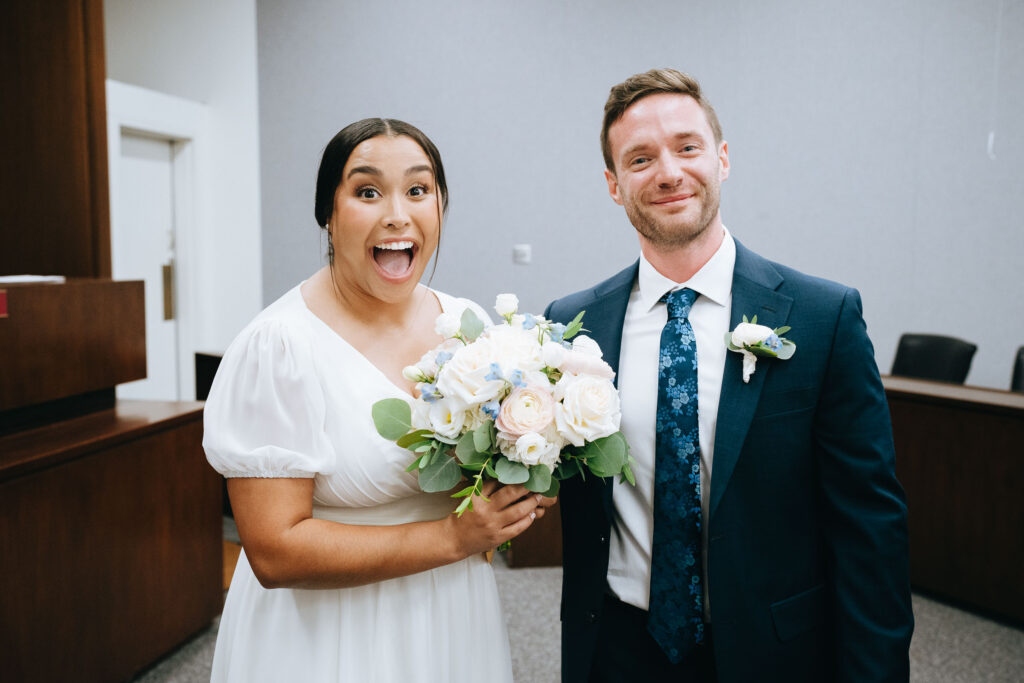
(765, 539)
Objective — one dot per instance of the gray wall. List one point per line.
(858, 135)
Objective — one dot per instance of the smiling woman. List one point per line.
(321, 500)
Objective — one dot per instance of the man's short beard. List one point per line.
(680, 236)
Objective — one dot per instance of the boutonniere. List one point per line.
(753, 340)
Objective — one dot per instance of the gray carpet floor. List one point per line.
(950, 645)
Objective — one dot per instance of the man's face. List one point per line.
(668, 169)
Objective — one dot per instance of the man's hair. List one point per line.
(653, 82)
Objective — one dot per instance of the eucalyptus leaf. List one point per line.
(540, 479)
(482, 437)
(787, 350)
(489, 468)
(606, 457)
(392, 417)
(553, 489)
(471, 325)
(573, 328)
(440, 475)
(466, 504)
(466, 451)
(422, 447)
(415, 464)
(509, 472)
(782, 330)
(414, 437)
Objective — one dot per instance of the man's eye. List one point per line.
(689, 148)
(638, 161)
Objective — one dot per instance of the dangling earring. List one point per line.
(330, 248)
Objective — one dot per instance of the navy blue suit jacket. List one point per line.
(807, 530)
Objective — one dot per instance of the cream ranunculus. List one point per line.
(506, 304)
(465, 375)
(447, 418)
(553, 354)
(514, 349)
(587, 408)
(526, 409)
(584, 344)
(585, 363)
(748, 333)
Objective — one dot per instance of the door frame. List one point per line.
(182, 122)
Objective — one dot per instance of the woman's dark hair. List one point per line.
(339, 149)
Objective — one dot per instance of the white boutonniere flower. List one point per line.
(753, 340)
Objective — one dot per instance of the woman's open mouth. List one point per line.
(394, 258)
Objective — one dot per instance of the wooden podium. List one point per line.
(110, 517)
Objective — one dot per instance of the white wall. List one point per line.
(858, 134)
(206, 52)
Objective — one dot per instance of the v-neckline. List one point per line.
(347, 343)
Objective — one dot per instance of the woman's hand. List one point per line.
(507, 512)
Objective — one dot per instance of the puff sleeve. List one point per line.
(265, 413)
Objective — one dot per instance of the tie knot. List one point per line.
(679, 302)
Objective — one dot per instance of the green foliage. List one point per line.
(470, 325)
(573, 328)
(441, 474)
(511, 472)
(606, 457)
(553, 489)
(392, 417)
(414, 438)
(468, 455)
(539, 480)
(483, 437)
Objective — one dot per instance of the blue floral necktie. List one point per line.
(676, 600)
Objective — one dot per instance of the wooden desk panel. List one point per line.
(110, 543)
(960, 458)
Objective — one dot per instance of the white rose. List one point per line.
(412, 373)
(584, 344)
(526, 409)
(447, 325)
(465, 375)
(588, 408)
(747, 333)
(514, 349)
(506, 304)
(428, 362)
(553, 354)
(447, 418)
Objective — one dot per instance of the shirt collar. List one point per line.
(713, 280)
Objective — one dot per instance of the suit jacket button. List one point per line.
(591, 617)
(603, 540)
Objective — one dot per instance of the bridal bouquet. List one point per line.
(527, 401)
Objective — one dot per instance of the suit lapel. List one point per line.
(754, 286)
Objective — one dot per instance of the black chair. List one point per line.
(932, 356)
(1017, 383)
(206, 368)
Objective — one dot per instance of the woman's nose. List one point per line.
(396, 215)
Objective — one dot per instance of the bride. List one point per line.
(349, 572)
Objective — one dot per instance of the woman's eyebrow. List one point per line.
(369, 170)
(419, 169)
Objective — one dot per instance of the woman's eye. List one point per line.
(417, 191)
(367, 193)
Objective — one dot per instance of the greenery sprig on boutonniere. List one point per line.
(754, 341)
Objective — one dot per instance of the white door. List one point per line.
(143, 249)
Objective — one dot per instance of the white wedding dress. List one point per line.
(292, 399)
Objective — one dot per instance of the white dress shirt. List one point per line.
(629, 555)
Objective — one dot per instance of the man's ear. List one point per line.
(613, 186)
(723, 161)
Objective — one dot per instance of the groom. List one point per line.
(766, 536)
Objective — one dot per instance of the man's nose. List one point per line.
(669, 170)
